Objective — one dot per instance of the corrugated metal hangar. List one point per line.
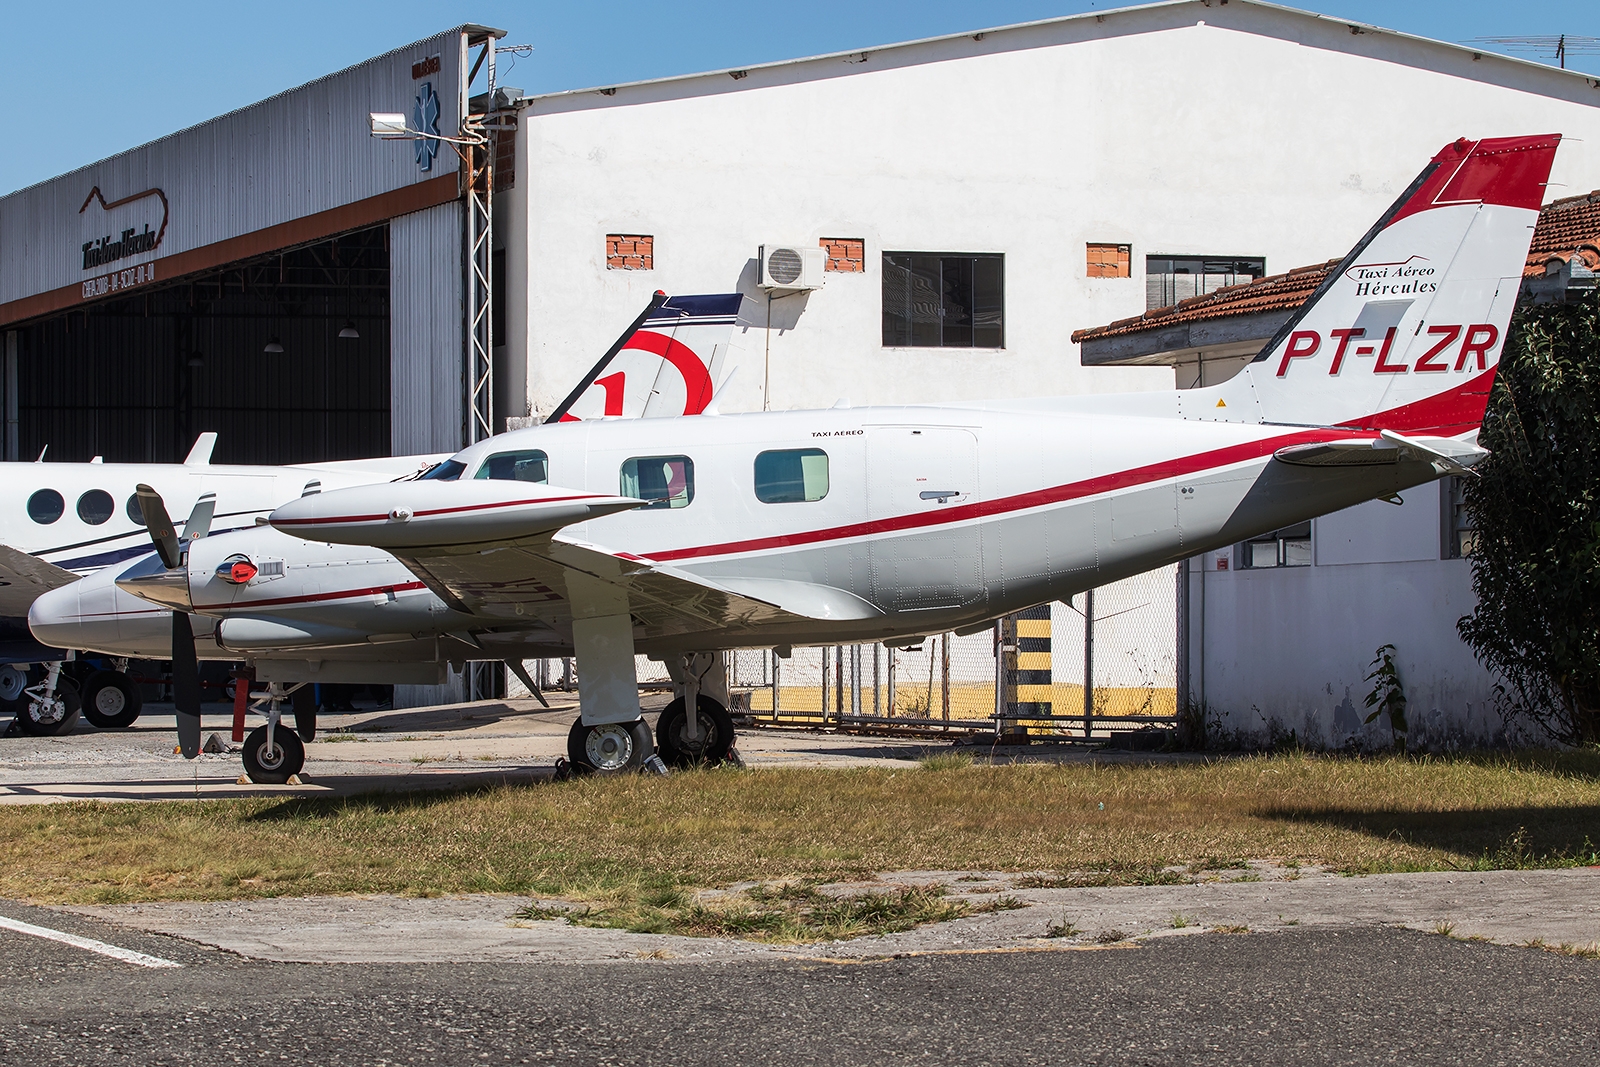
(273, 274)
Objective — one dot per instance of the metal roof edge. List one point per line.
(1121, 12)
(466, 27)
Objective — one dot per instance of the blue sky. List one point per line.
(90, 79)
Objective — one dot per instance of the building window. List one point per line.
(1169, 279)
(1460, 535)
(943, 300)
(664, 481)
(1288, 547)
(630, 251)
(846, 255)
(1110, 261)
(527, 465)
(791, 476)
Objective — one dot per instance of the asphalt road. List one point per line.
(1293, 997)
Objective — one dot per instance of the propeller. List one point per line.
(171, 587)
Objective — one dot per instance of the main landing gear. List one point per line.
(615, 747)
(609, 748)
(110, 699)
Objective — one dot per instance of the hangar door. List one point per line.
(284, 355)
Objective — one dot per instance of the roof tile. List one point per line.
(1567, 228)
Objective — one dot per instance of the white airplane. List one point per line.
(679, 538)
(67, 520)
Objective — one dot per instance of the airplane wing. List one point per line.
(491, 549)
(23, 578)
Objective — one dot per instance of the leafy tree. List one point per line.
(1536, 506)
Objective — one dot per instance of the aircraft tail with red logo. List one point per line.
(1406, 332)
(669, 362)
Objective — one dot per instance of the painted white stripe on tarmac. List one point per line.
(89, 944)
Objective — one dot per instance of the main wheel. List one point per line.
(709, 749)
(609, 748)
(110, 700)
(50, 718)
(274, 765)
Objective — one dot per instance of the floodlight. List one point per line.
(349, 332)
(274, 347)
(389, 124)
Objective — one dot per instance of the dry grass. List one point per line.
(625, 839)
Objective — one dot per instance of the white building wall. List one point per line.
(1184, 128)
(427, 340)
(1286, 649)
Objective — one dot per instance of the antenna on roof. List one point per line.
(1556, 46)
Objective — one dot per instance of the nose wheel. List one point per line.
(609, 748)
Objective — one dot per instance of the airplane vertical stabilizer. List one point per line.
(1406, 332)
(669, 366)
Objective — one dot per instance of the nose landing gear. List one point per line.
(49, 708)
(273, 753)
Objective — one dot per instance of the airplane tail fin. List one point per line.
(667, 366)
(1406, 332)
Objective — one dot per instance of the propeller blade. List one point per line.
(304, 702)
(185, 683)
(159, 523)
(199, 523)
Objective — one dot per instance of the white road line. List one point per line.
(126, 955)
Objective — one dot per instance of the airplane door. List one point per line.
(915, 477)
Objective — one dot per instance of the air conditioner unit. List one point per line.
(791, 267)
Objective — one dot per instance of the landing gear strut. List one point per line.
(273, 753)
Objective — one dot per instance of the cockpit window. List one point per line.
(528, 465)
(448, 471)
(665, 481)
(46, 506)
(96, 507)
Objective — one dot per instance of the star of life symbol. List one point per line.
(425, 119)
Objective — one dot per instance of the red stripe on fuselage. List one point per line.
(1105, 483)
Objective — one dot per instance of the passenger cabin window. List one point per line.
(134, 511)
(46, 506)
(448, 471)
(530, 465)
(664, 481)
(1288, 547)
(791, 476)
(96, 507)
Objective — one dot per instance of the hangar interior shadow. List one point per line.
(136, 378)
